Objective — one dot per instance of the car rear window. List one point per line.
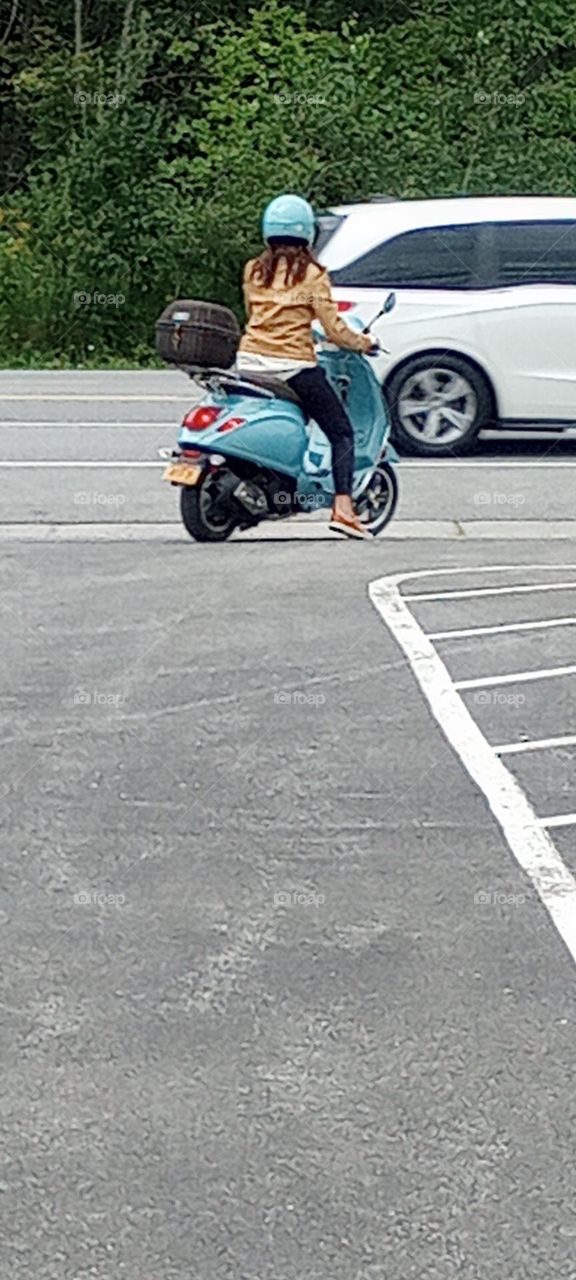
(431, 258)
(533, 252)
(326, 225)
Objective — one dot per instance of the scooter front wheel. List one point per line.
(377, 504)
(203, 514)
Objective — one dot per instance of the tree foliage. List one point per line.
(140, 141)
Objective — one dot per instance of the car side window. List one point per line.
(431, 258)
(534, 252)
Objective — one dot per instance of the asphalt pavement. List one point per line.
(287, 891)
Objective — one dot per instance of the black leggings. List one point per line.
(321, 403)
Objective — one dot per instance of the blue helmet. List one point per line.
(289, 216)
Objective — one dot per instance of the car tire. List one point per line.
(456, 403)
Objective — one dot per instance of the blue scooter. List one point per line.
(246, 452)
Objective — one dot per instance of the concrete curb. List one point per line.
(300, 528)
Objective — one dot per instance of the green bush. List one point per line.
(138, 157)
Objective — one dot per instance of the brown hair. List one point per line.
(297, 256)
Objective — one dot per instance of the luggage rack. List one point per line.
(216, 380)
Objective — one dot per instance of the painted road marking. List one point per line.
(58, 424)
(525, 833)
(486, 568)
(36, 465)
(501, 626)
(540, 744)
(411, 464)
(113, 399)
(470, 466)
(492, 591)
(561, 820)
(517, 677)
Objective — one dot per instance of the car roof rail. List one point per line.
(379, 198)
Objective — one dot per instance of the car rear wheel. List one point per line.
(438, 404)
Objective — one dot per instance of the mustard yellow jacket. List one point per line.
(280, 317)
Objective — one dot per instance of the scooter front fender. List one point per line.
(389, 454)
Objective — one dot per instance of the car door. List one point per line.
(529, 320)
(436, 273)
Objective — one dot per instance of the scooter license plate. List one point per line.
(182, 473)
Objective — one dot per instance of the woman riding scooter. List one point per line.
(285, 290)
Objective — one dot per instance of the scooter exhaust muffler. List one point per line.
(251, 497)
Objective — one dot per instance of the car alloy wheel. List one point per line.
(437, 405)
(438, 402)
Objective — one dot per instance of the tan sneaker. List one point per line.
(350, 527)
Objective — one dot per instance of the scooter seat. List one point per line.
(273, 384)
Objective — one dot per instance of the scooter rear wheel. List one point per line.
(202, 516)
(377, 504)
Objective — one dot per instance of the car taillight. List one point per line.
(231, 423)
(199, 419)
(346, 306)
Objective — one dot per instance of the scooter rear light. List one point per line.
(199, 419)
(191, 453)
(346, 306)
(231, 423)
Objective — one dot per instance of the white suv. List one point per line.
(484, 329)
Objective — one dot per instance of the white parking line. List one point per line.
(492, 591)
(525, 833)
(538, 744)
(561, 820)
(96, 465)
(517, 677)
(115, 399)
(58, 423)
(500, 626)
(470, 465)
(485, 568)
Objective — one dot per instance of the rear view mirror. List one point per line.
(387, 306)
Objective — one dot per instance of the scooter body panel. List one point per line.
(273, 433)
